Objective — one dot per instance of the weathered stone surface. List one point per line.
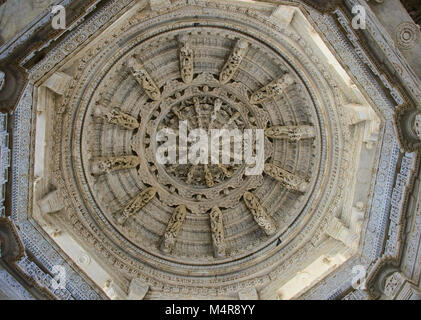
(117, 83)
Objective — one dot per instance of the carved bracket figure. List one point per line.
(173, 227)
(259, 213)
(186, 60)
(293, 133)
(233, 61)
(107, 165)
(144, 79)
(217, 229)
(208, 177)
(272, 89)
(287, 179)
(138, 203)
(117, 117)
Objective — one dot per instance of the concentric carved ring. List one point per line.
(163, 226)
(222, 98)
(407, 34)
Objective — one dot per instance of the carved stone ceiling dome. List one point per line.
(210, 229)
(138, 74)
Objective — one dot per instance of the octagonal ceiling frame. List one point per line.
(389, 159)
(37, 152)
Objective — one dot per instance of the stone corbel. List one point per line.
(363, 114)
(55, 85)
(357, 113)
(157, 5)
(285, 14)
(338, 231)
(137, 290)
(112, 290)
(51, 202)
(357, 217)
(58, 82)
(248, 294)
